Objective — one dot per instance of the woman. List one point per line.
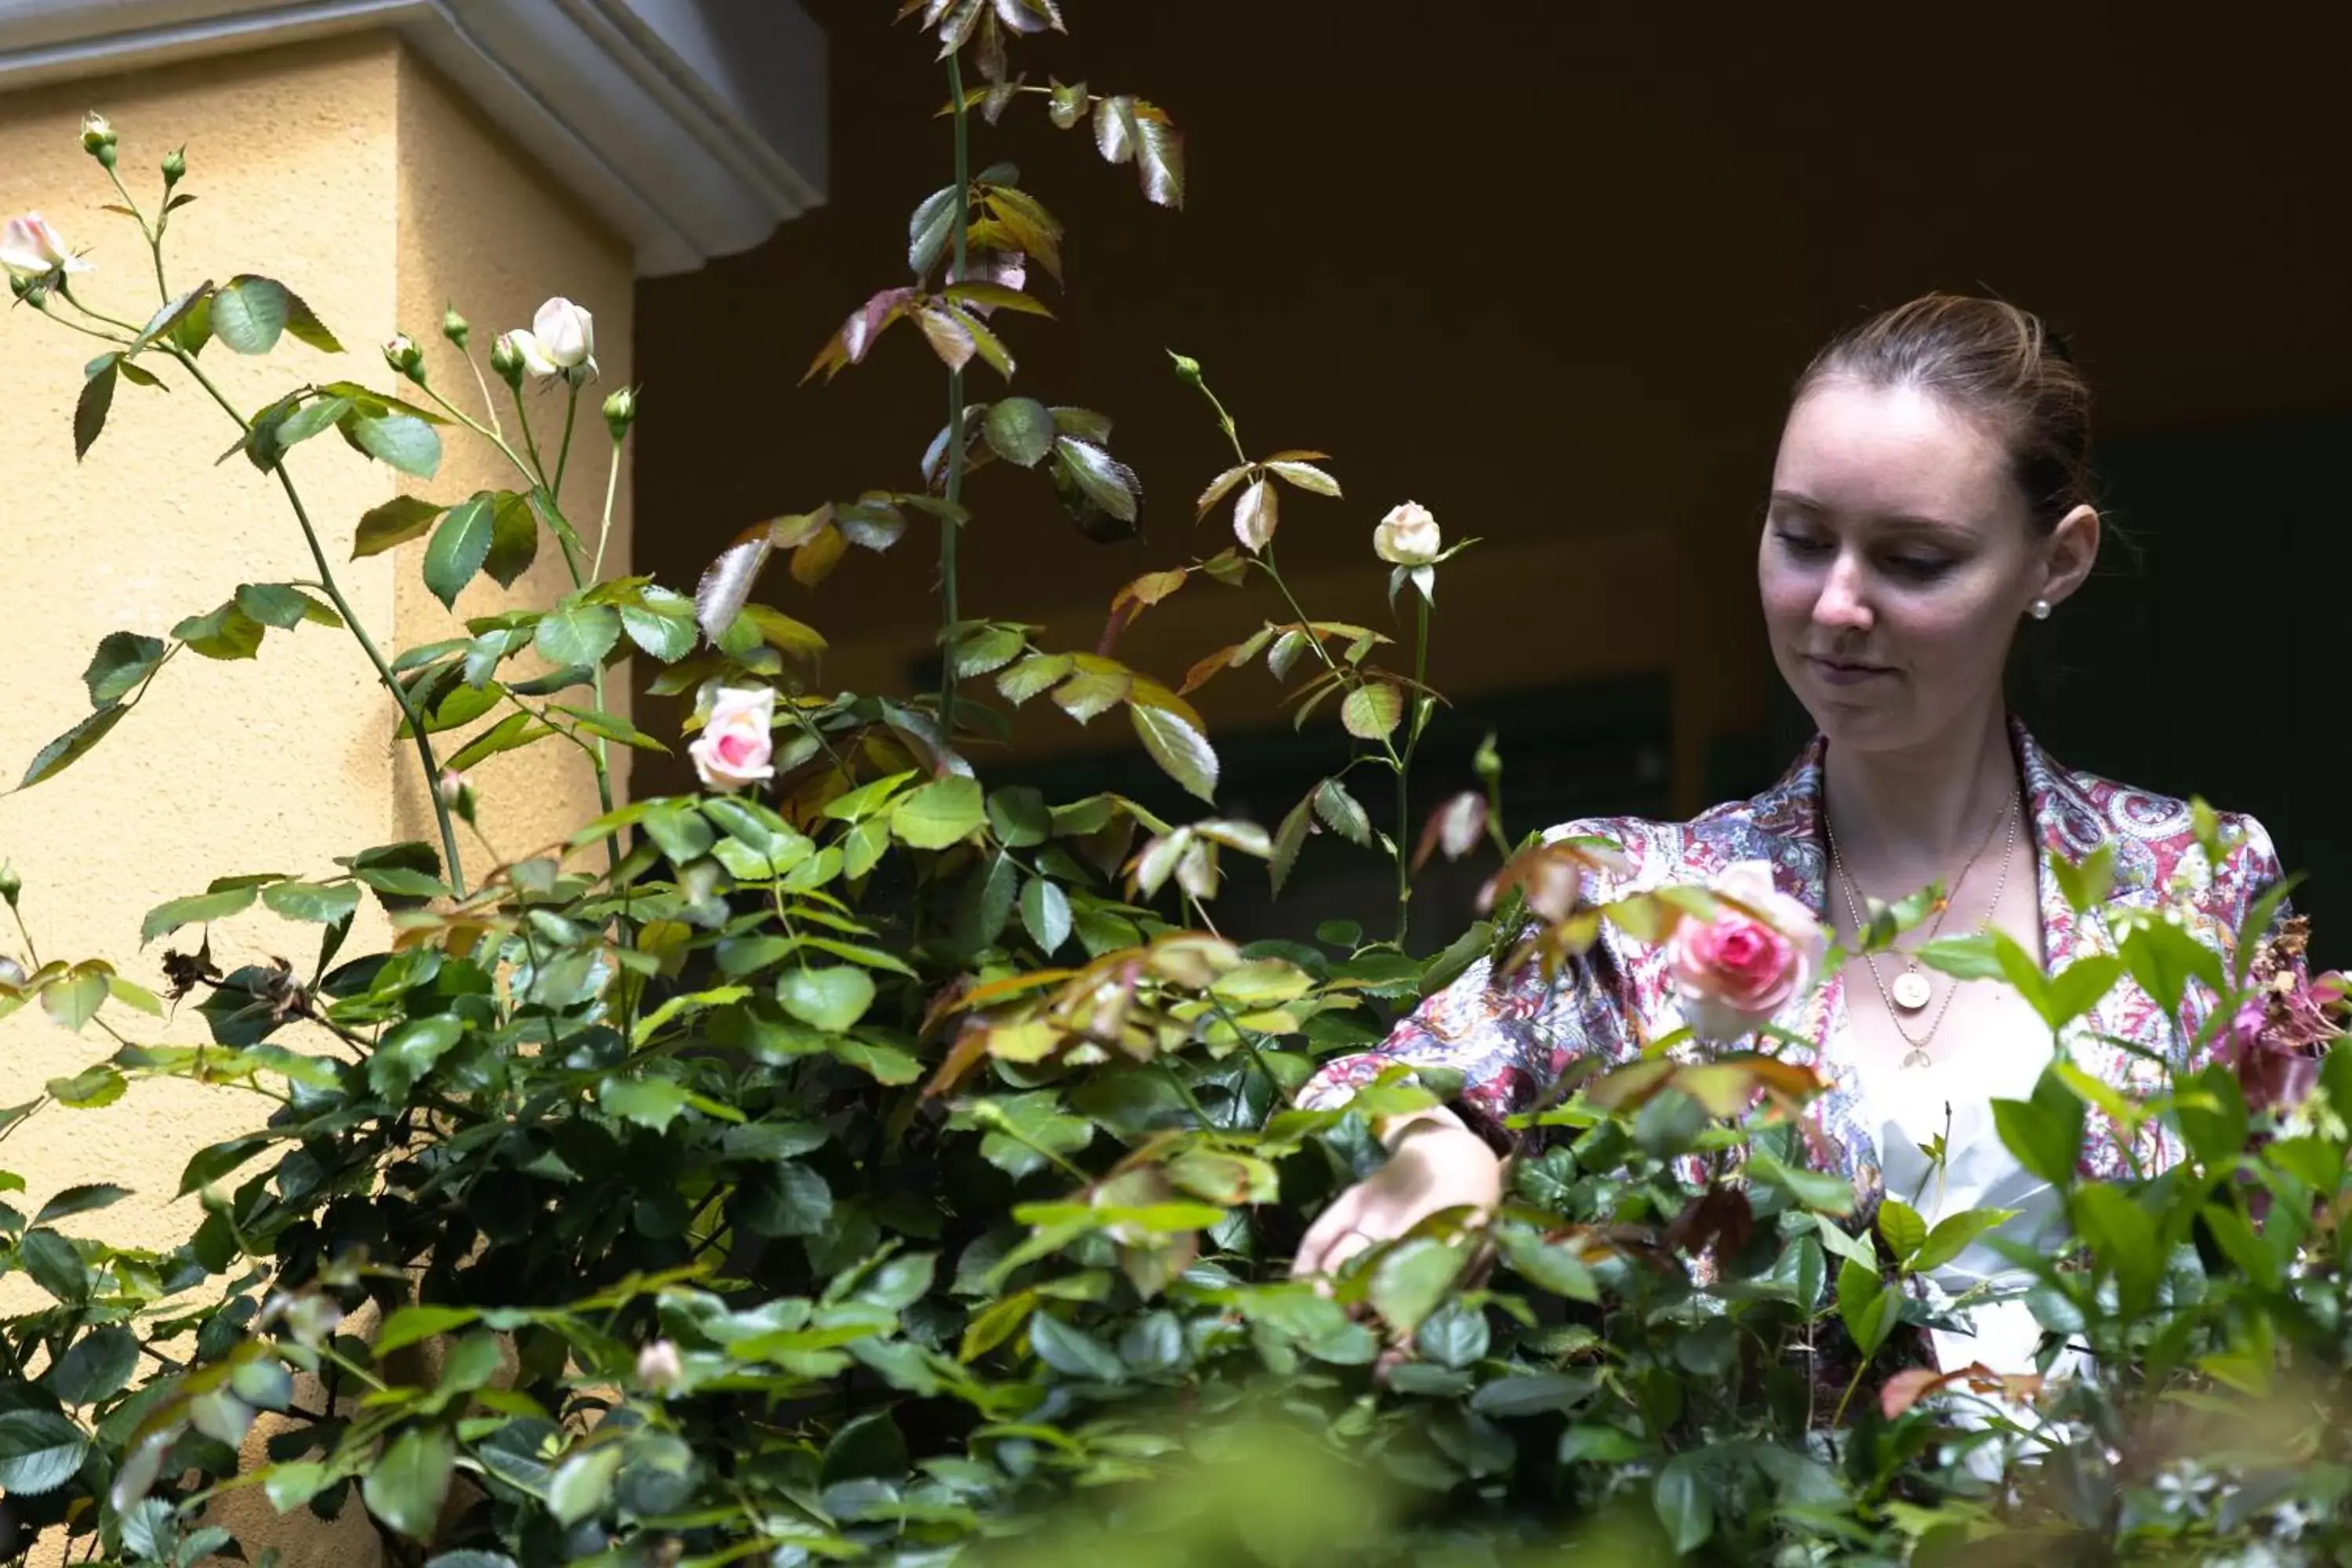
(1932, 490)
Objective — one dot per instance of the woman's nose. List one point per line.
(1841, 603)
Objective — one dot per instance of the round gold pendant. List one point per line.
(1911, 991)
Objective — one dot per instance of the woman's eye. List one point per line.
(1804, 546)
(1919, 568)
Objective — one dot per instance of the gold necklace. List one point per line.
(1912, 990)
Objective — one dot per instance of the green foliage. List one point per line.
(874, 1166)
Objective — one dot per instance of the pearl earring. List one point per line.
(2039, 610)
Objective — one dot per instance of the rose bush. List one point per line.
(854, 1162)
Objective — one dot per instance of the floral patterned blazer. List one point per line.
(1511, 1037)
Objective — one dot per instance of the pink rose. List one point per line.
(734, 747)
(1738, 970)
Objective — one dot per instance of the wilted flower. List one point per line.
(1407, 536)
(735, 745)
(30, 247)
(1735, 970)
(562, 337)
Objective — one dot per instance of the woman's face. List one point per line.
(1897, 557)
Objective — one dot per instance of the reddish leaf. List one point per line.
(856, 339)
(814, 562)
(1454, 826)
(1221, 487)
(949, 336)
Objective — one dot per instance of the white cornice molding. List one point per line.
(694, 127)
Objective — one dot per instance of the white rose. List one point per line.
(31, 247)
(1407, 536)
(735, 747)
(562, 337)
(660, 1367)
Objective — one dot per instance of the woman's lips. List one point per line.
(1846, 672)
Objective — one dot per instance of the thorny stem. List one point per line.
(495, 436)
(1404, 765)
(950, 610)
(154, 236)
(570, 418)
(367, 643)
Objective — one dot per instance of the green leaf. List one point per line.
(123, 659)
(98, 1367)
(1021, 430)
(2165, 958)
(650, 1102)
(401, 441)
(55, 1266)
(1099, 477)
(514, 537)
(2039, 1139)
(1183, 753)
(74, 998)
(1973, 957)
(1017, 815)
(1306, 475)
(1291, 838)
(883, 1064)
(1905, 1231)
(90, 408)
(459, 547)
(1032, 676)
(611, 726)
(1372, 711)
(304, 324)
(979, 650)
(2123, 1237)
(2088, 882)
(40, 1451)
(203, 908)
(1953, 1235)
(661, 622)
(92, 1089)
(1685, 1503)
(71, 747)
(249, 313)
(83, 1199)
(582, 1483)
(829, 999)
(1342, 812)
(414, 1325)
(397, 521)
(283, 606)
(1073, 1352)
(939, 814)
(1411, 1278)
(409, 1051)
(225, 633)
(319, 414)
(1045, 914)
(574, 633)
(786, 1199)
(407, 1486)
(321, 903)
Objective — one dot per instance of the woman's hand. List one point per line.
(1434, 1162)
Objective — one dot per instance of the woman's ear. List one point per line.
(2072, 552)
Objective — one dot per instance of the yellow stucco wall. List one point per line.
(355, 176)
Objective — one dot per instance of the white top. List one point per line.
(1908, 1107)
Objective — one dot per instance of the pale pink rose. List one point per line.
(660, 1367)
(30, 247)
(1407, 536)
(734, 747)
(1738, 970)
